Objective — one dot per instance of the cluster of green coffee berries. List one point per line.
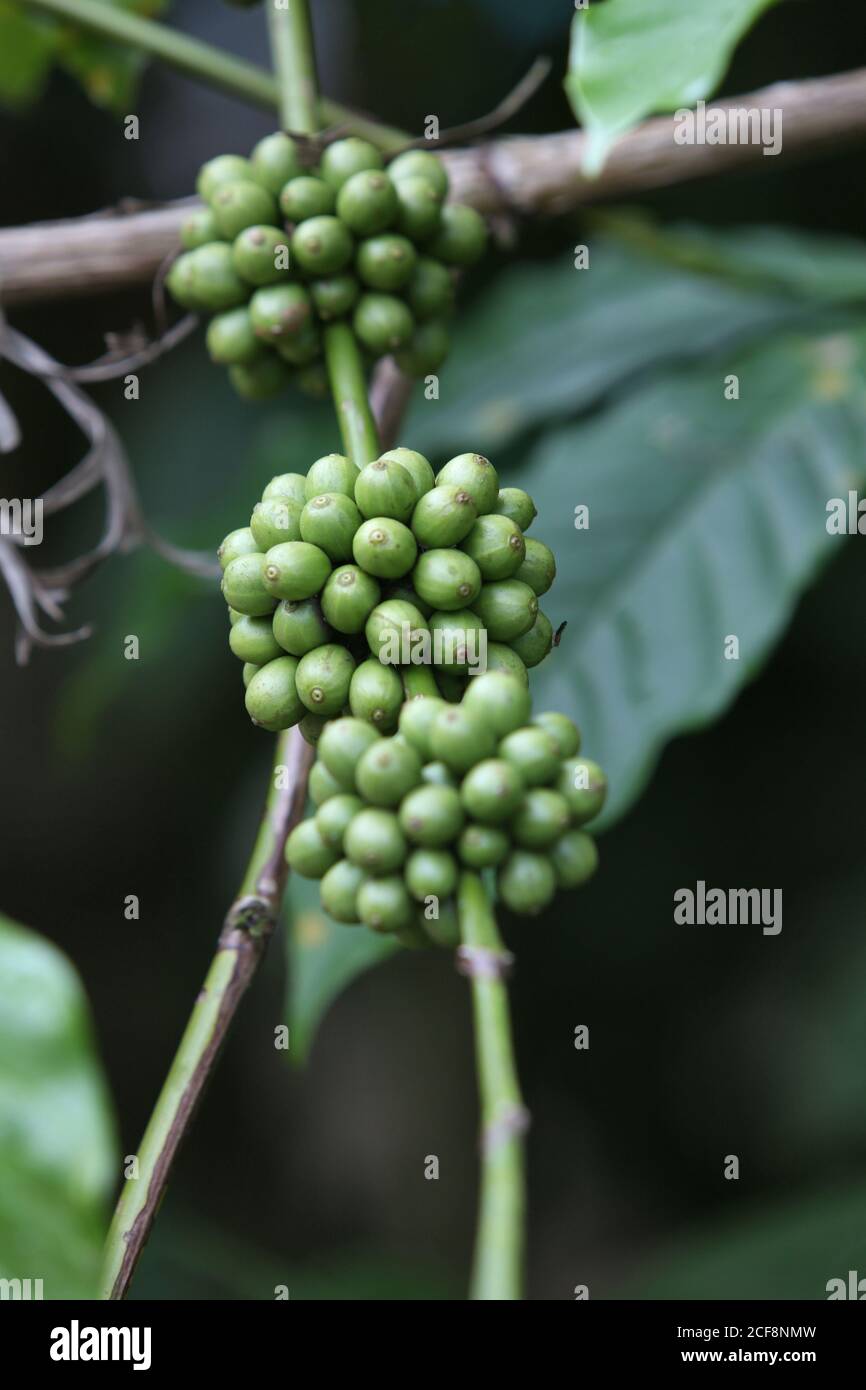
(479, 785)
(280, 249)
(347, 574)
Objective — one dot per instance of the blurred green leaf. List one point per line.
(630, 58)
(56, 1145)
(27, 48)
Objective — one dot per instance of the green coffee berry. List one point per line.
(323, 679)
(243, 585)
(497, 547)
(430, 290)
(347, 157)
(539, 567)
(385, 488)
(333, 473)
(508, 608)
(501, 657)
(198, 229)
(492, 791)
(307, 853)
(517, 505)
(260, 255)
(215, 284)
(419, 213)
(542, 817)
(432, 816)
(387, 771)
(323, 785)
(584, 786)
(311, 727)
(502, 699)
(416, 717)
(260, 380)
(376, 694)
(367, 203)
(444, 516)
(272, 699)
(339, 891)
(460, 738)
(447, 579)
(249, 671)
(483, 846)
(330, 522)
(416, 466)
(452, 685)
(280, 311)
(455, 645)
(392, 627)
(242, 204)
(275, 521)
(375, 842)
(305, 197)
(335, 296)
(301, 348)
(526, 882)
(231, 338)
(430, 873)
(300, 628)
(385, 547)
(574, 858)
(420, 164)
(295, 570)
(438, 774)
(535, 644)
(225, 168)
(252, 640)
(234, 616)
(321, 246)
(443, 930)
(334, 817)
(534, 753)
(240, 542)
(349, 598)
(384, 905)
(340, 747)
(290, 487)
(562, 730)
(462, 236)
(382, 322)
(275, 160)
(426, 351)
(386, 262)
(180, 281)
(476, 475)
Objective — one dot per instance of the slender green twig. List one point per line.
(349, 390)
(295, 61)
(498, 1265)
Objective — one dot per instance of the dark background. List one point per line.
(145, 778)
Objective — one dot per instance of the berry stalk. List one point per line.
(349, 391)
(294, 57)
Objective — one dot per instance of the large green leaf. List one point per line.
(707, 519)
(632, 57)
(56, 1145)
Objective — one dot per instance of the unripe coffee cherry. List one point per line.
(542, 817)
(384, 904)
(339, 891)
(349, 598)
(295, 570)
(443, 930)
(234, 616)
(437, 774)
(459, 647)
(430, 290)
(323, 784)
(502, 700)
(240, 542)
(305, 197)
(535, 754)
(334, 817)
(497, 547)
(517, 505)
(376, 694)
(231, 338)
(321, 245)
(367, 202)
(432, 816)
(385, 547)
(431, 873)
(300, 628)
(252, 640)
(419, 214)
(501, 657)
(272, 699)
(381, 322)
(416, 465)
(574, 858)
(332, 473)
(526, 882)
(492, 791)
(447, 579)
(306, 851)
(483, 846)
(387, 771)
(225, 168)
(302, 348)
(206, 279)
(539, 567)
(460, 739)
(416, 717)
(335, 296)
(249, 671)
(462, 236)
(280, 311)
(323, 679)
(311, 727)
(346, 157)
(385, 488)
(290, 487)
(507, 608)
(340, 747)
(256, 253)
(386, 262)
(444, 516)
(375, 842)
(420, 164)
(330, 522)
(584, 786)
(562, 730)
(452, 687)
(426, 350)
(243, 586)
(476, 475)
(533, 646)
(242, 204)
(275, 160)
(198, 229)
(260, 380)
(391, 625)
(275, 521)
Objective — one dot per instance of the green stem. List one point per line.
(295, 61)
(419, 680)
(248, 927)
(498, 1264)
(203, 61)
(349, 390)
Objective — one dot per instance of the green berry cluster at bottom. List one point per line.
(480, 785)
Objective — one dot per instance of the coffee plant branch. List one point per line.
(520, 175)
